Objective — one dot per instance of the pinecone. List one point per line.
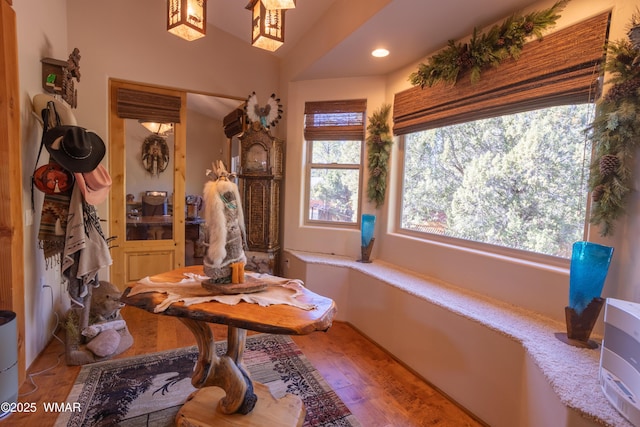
(597, 192)
(376, 172)
(623, 90)
(464, 59)
(608, 164)
(623, 58)
(528, 27)
(634, 36)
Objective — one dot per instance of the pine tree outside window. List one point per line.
(334, 133)
(518, 181)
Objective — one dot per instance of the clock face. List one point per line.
(256, 159)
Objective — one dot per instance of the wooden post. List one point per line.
(11, 210)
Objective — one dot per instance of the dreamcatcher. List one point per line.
(155, 154)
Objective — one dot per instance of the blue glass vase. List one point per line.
(367, 239)
(589, 268)
(368, 225)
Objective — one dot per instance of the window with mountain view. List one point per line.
(518, 180)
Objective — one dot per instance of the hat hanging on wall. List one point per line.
(76, 149)
(62, 108)
(94, 185)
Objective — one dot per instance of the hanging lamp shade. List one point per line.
(267, 26)
(157, 128)
(279, 4)
(187, 18)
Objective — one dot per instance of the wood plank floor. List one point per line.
(379, 391)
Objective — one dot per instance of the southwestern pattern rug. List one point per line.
(149, 390)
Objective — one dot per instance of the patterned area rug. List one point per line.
(149, 390)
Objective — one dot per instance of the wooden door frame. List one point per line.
(11, 182)
(117, 203)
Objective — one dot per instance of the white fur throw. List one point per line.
(216, 217)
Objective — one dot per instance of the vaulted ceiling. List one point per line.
(409, 29)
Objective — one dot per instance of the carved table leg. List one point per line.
(225, 372)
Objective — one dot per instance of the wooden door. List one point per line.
(147, 242)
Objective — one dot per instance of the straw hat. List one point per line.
(62, 108)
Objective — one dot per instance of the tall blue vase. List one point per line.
(367, 239)
(589, 268)
(588, 271)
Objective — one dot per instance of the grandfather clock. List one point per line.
(261, 170)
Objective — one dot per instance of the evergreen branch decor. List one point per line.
(616, 132)
(379, 143)
(485, 50)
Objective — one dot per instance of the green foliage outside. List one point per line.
(335, 179)
(518, 181)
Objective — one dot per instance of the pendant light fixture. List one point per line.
(279, 4)
(267, 26)
(187, 18)
(157, 128)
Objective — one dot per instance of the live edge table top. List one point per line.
(274, 319)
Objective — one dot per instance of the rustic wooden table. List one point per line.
(235, 391)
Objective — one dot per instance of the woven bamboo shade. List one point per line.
(335, 120)
(153, 107)
(562, 68)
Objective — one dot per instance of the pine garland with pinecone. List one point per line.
(379, 143)
(486, 50)
(616, 133)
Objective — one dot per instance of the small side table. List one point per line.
(241, 402)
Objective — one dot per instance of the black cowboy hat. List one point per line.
(75, 148)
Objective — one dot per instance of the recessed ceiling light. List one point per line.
(380, 53)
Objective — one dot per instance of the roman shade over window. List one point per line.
(154, 107)
(562, 68)
(335, 120)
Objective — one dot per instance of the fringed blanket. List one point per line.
(53, 223)
(190, 291)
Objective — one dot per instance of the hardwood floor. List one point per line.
(379, 391)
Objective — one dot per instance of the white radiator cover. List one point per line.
(8, 360)
(620, 358)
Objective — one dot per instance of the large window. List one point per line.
(517, 181)
(504, 160)
(334, 131)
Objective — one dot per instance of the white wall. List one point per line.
(297, 235)
(206, 143)
(42, 32)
